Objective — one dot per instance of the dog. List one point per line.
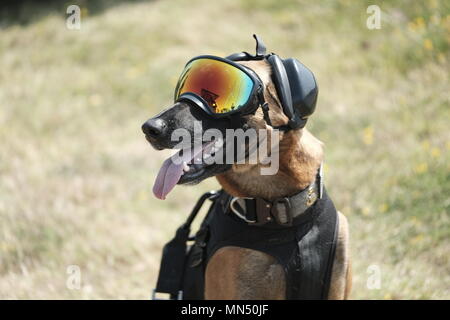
(241, 272)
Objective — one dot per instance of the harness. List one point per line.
(300, 232)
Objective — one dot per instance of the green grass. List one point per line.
(76, 172)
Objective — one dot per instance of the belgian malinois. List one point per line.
(234, 271)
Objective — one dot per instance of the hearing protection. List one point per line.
(295, 84)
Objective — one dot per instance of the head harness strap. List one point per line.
(260, 47)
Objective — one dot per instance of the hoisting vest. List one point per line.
(305, 249)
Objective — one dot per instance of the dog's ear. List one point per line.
(272, 96)
(276, 113)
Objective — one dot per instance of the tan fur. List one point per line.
(341, 274)
(239, 273)
(300, 158)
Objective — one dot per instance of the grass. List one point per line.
(76, 173)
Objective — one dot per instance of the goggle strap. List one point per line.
(265, 109)
(283, 128)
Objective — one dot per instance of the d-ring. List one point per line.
(236, 211)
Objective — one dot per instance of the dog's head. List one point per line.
(163, 132)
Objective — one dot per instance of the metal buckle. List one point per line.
(213, 195)
(236, 211)
(154, 292)
(320, 181)
(287, 206)
(312, 196)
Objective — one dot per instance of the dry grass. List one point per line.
(76, 172)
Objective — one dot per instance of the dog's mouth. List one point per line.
(190, 165)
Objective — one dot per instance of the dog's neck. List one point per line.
(300, 155)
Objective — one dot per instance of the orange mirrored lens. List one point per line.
(224, 87)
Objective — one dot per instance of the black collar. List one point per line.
(285, 211)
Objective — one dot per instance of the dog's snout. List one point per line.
(154, 127)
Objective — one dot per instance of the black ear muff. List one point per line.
(295, 84)
(303, 87)
(282, 85)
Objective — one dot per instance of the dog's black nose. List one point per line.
(154, 127)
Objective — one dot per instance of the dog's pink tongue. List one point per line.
(167, 178)
(170, 173)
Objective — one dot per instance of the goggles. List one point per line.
(219, 86)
